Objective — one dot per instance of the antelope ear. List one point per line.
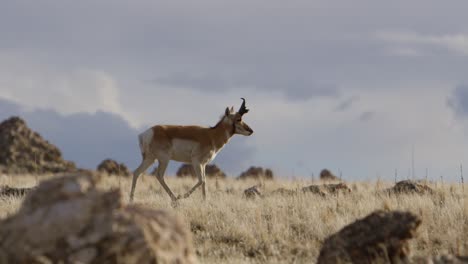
(232, 109)
(227, 111)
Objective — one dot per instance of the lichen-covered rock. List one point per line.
(327, 175)
(325, 189)
(409, 187)
(442, 259)
(69, 220)
(381, 237)
(252, 192)
(112, 167)
(315, 189)
(337, 188)
(211, 171)
(283, 192)
(256, 173)
(25, 151)
(13, 191)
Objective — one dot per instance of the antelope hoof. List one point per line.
(175, 203)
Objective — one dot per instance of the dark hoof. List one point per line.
(175, 203)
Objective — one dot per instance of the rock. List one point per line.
(443, 259)
(252, 192)
(69, 220)
(12, 191)
(325, 189)
(256, 173)
(326, 175)
(25, 151)
(409, 187)
(315, 189)
(336, 188)
(381, 237)
(112, 167)
(211, 171)
(284, 192)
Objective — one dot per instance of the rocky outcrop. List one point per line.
(25, 151)
(112, 167)
(381, 237)
(256, 173)
(409, 187)
(211, 171)
(69, 220)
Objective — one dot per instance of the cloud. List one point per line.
(366, 116)
(458, 101)
(413, 42)
(200, 82)
(405, 52)
(295, 87)
(346, 104)
(35, 84)
(296, 63)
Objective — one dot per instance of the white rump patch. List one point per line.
(145, 140)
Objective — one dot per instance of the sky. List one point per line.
(363, 88)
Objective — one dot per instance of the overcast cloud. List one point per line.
(458, 101)
(351, 86)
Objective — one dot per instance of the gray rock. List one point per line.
(69, 220)
(381, 237)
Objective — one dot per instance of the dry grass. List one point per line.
(287, 228)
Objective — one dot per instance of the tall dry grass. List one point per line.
(286, 228)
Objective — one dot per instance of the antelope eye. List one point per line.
(238, 120)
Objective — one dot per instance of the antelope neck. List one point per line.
(222, 134)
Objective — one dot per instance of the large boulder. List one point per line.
(381, 237)
(25, 151)
(256, 173)
(211, 171)
(69, 220)
(327, 175)
(112, 167)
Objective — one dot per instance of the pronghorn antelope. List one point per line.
(190, 144)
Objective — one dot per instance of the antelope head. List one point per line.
(235, 119)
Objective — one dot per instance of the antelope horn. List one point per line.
(243, 109)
